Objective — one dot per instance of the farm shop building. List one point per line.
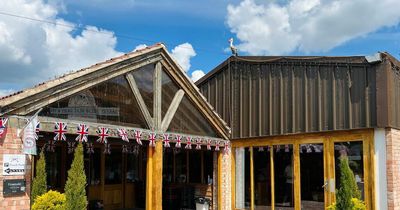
(142, 102)
(291, 119)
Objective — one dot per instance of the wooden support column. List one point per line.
(154, 177)
(157, 175)
(155, 154)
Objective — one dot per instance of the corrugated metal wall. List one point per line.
(289, 96)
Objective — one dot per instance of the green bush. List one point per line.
(39, 183)
(348, 196)
(51, 200)
(357, 204)
(75, 192)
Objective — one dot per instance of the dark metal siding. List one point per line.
(294, 96)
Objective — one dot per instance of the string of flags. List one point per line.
(304, 148)
(128, 136)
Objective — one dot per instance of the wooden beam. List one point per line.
(157, 176)
(139, 99)
(172, 110)
(157, 88)
(149, 180)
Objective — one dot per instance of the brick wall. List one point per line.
(225, 182)
(393, 168)
(13, 145)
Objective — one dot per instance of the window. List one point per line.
(113, 167)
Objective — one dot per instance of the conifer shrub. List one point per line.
(75, 192)
(52, 200)
(348, 196)
(39, 183)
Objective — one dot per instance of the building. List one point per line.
(288, 119)
(291, 119)
(126, 111)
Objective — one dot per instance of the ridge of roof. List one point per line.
(269, 59)
(82, 71)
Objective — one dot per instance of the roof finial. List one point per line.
(233, 48)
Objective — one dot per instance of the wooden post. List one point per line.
(157, 176)
(154, 177)
(149, 179)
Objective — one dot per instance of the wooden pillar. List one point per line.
(154, 177)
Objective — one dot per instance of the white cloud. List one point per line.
(183, 53)
(32, 51)
(306, 25)
(139, 47)
(197, 74)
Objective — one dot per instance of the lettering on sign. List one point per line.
(13, 186)
(13, 165)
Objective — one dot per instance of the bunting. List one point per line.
(138, 137)
(60, 129)
(103, 134)
(50, 146)
(125, 149)
(198, 144)
(208, 144)
(71, 147)
(3, 126)
(217, 146)
(107, 149)
(83, 132)
(89, 148)
(123, 134)
(178, 141)
(188, 142)
(166, 140)
(152, 139)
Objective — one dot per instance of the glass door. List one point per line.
(312, 179)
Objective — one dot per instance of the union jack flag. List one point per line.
(188, 142)
(226, 147)
(103, 133)
(107, 149)
(278, 148)
(217, 146)
(124, 149)
(3, 126)
(83, 132)
(166, 140)
(178, 141)
(135, 150)
(123, 134)
(287, 148)
(138, 137)
(208, 144)
(71, 147)
(50, 146)
(89, 148)
(60, 129)
(37, 127)
(152, 139)
(198, 144)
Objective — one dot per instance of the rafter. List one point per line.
(157, 88)
(172, 110)
(139, 99)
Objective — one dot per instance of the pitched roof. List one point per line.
(277, 59)
(28, 100)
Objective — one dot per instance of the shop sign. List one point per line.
(13, 165)
(13, 186)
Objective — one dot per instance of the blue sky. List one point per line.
(195, 32)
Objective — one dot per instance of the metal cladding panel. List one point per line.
(295, 96)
